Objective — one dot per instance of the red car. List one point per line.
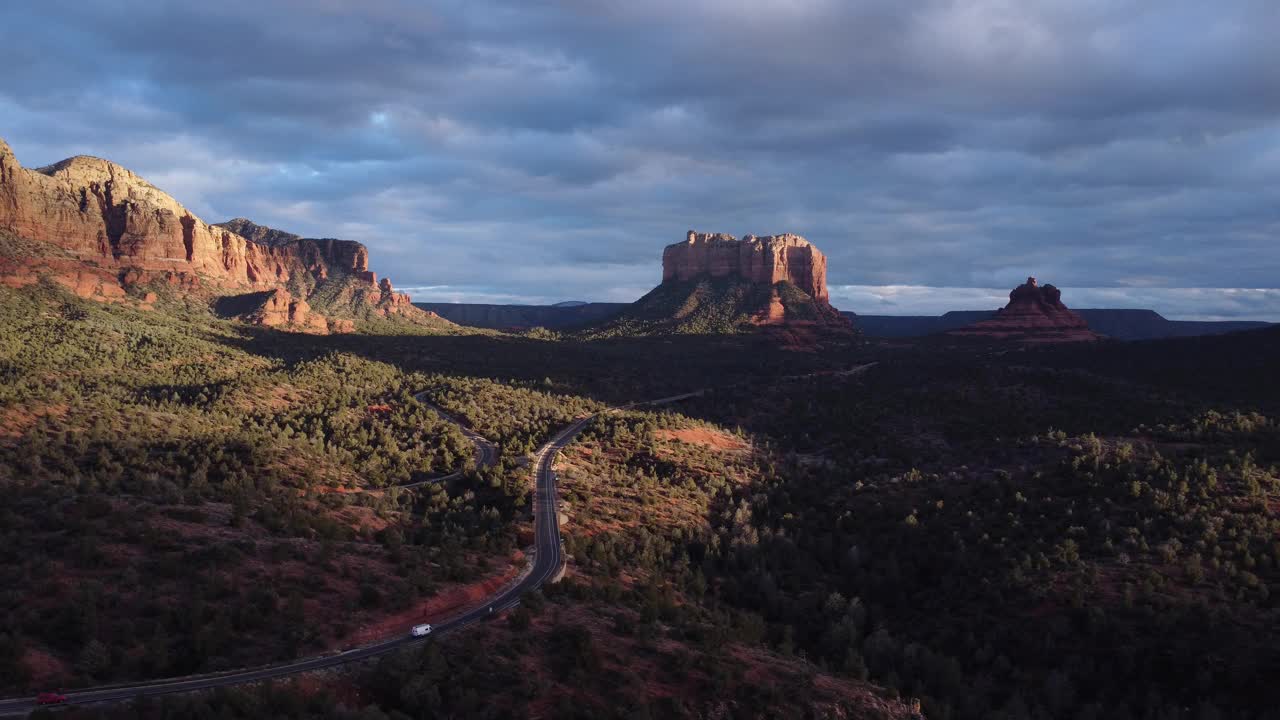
(50, 698)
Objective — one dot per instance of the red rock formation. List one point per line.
(388, 297)
(715, 283)
(108, 217)
(104, 229)
(770, 259)
(389, 302)
(279, 309)
(1035, 313)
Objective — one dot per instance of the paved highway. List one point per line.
(486, 451)
(548, 558)
(547, 565)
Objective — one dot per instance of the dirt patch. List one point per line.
(714, 439)
(44, 669)
(16, 421)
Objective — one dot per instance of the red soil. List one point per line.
(45, 670)
(16, 421)
(435, 608)
(706, 438)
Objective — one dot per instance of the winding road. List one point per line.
(486, 450)
(548, 558)
(547, 566)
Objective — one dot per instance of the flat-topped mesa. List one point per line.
(716, 284)
(765, 260)
(106, 215)
(1035, 313)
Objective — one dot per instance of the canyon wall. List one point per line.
(108, 217)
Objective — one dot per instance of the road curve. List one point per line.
(548, 558)
(486, 450)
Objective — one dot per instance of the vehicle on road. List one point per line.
(50, 698)
(421, 630)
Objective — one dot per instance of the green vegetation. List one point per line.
(519, 418)
(694, 307)
(352, 298)
(552, 659)
(177, 503)
(1059, 533)
(913, 528)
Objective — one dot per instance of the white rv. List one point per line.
(420, 630)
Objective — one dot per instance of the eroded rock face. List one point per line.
(279, 309)
(1035, 313)
(106, 230)
(769, 259)
(389, 302)
(317, 255)
(107, 216)
(713, 283)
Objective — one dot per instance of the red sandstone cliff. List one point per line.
(112, 229)
(104, 214)
(1035, 313)
(764, 260)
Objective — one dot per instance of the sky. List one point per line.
(938, 151)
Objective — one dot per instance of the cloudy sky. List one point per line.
(938, 151)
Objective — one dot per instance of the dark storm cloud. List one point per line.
(549, 150)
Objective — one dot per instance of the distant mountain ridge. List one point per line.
(1121, 324)
(522, 317)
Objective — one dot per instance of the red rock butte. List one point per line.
(767, 260)
(1035, 313)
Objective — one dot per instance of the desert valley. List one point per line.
(239, 466)
(663, 360)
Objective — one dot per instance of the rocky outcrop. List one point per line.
(717, 284)
(279, 309)
(316, 255)
(104, 229)
(260, 234)
(392, 304)
(765, 260)
(1035, 313)
(388, 297)
(793, 271)
(87, 282)
(105, 215)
